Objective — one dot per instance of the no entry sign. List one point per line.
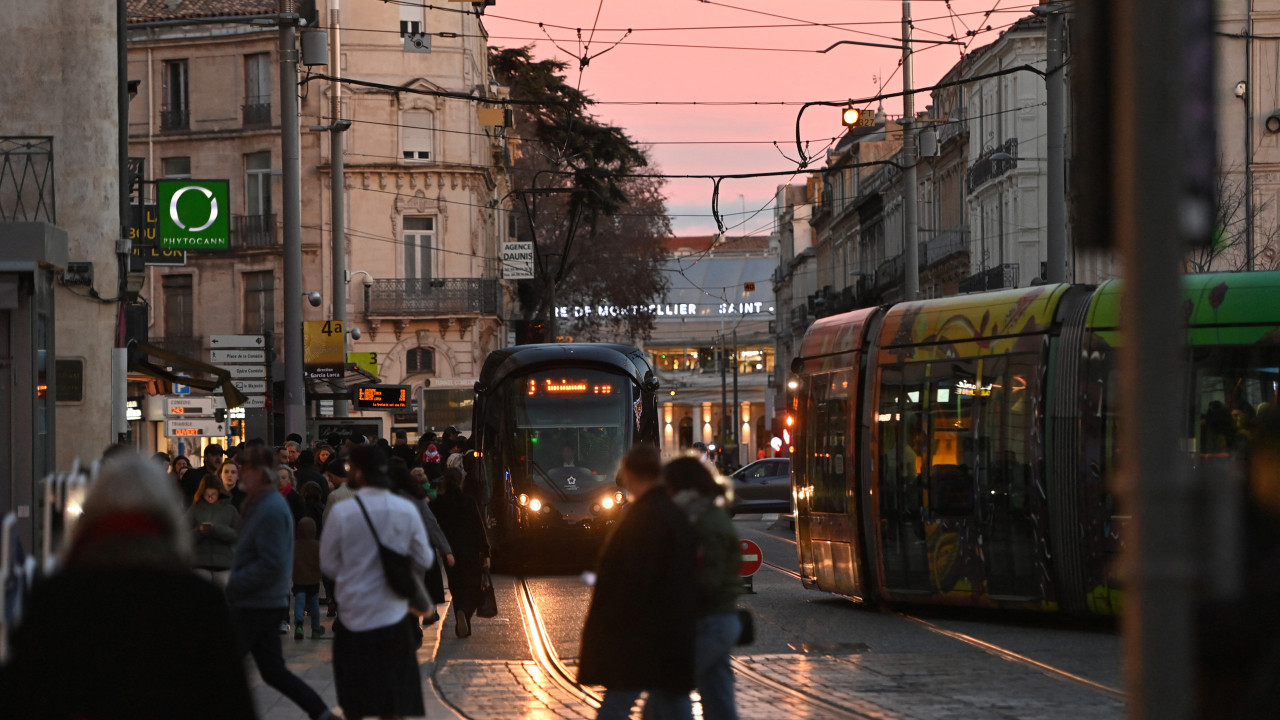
(752, 558)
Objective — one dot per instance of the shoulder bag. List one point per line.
(488, 602)
(405, 579)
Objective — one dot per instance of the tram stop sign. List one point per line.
(752, 558)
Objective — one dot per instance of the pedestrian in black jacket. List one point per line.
(460, 520)
(640, 627)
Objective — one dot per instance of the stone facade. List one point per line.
(425, 187)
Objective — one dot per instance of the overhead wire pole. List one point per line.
(337, 197)
(911, 251)
(295, 417)
(1055, 126)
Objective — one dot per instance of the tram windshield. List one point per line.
(570, 429)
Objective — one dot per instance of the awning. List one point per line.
(221, 376)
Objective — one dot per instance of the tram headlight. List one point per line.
(618, 497)
(535, 504)
(607, 503)
(523, 500)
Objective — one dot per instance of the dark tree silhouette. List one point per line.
(580, 195)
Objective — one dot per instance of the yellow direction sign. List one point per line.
(324, 349)
(367, 361)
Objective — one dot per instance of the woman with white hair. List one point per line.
(160, 642)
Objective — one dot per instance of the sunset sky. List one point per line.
(739, 51)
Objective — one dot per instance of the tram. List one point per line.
(551, 424)
(960, 451)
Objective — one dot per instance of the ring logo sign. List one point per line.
(194, 214)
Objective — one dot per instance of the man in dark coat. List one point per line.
(640, 628)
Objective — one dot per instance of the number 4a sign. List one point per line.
(324, 349)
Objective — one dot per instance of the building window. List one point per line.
(415, 135)
(411, 18)
(259, 302)
(179, 317)
(421, 360)
(174, 107)
(176, 167)
(257, 183)
(417, 239)
(257, 89)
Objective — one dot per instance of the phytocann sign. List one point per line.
(194, 214)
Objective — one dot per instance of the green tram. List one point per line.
(959, 451)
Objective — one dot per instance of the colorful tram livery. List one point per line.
(959, 451)
(552, 422)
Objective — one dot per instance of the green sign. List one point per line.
(194, 214)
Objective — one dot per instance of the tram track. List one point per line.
(991, 648)
(544, 652)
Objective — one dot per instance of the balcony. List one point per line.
(985, 169)
(1000, 276)
(257, 111)
(253, 232)
(944, 245)
(173, 118)
(26, 179)
(418, 297)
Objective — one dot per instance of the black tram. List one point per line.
(960, 451)
(551, 424)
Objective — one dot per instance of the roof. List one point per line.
(711, 285)
(154, 10)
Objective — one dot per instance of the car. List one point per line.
(764, 486)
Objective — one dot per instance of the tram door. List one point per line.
(900, 435)
(826, 525)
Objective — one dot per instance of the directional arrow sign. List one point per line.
(248, 387)
(218, 357)
(236, 341)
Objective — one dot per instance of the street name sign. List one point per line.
(236, 341)
(190, 427)
(194, 214)
(218, 357)
(248, 387)
(246, 372)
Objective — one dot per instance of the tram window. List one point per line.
(1233, 388)
(826, 441)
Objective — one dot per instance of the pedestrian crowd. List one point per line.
(202, 563)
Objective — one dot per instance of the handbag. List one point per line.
(402, 574)
(747, 634)
(488, 602)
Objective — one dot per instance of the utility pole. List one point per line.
(737, 420)
(337, 196)
(911, 267)
(1055, 93)
(1150, 180)
(295, 417)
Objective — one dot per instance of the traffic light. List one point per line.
(851, 116)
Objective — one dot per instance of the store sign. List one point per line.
(517, 260)
(194, 214)
(664, 310)
(144, 236)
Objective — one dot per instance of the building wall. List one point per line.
(68, 90)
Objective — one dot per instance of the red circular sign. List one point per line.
(752, 558)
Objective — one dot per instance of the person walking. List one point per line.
(213, 521)
(640, 626)
(460, 520)
(695, 490)
(229, 473)
(375, 665)
(407, 486)
(159, 644)
(191, 478)
(306, 578)
(261, 571)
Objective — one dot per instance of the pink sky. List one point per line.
(691, 140)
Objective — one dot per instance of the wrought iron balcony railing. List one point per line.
(985, 169)
(257, 111)
(173, 118)
(402, 298)
(249, 232)
(944, 245)
(26, 179)
(1000, 276)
